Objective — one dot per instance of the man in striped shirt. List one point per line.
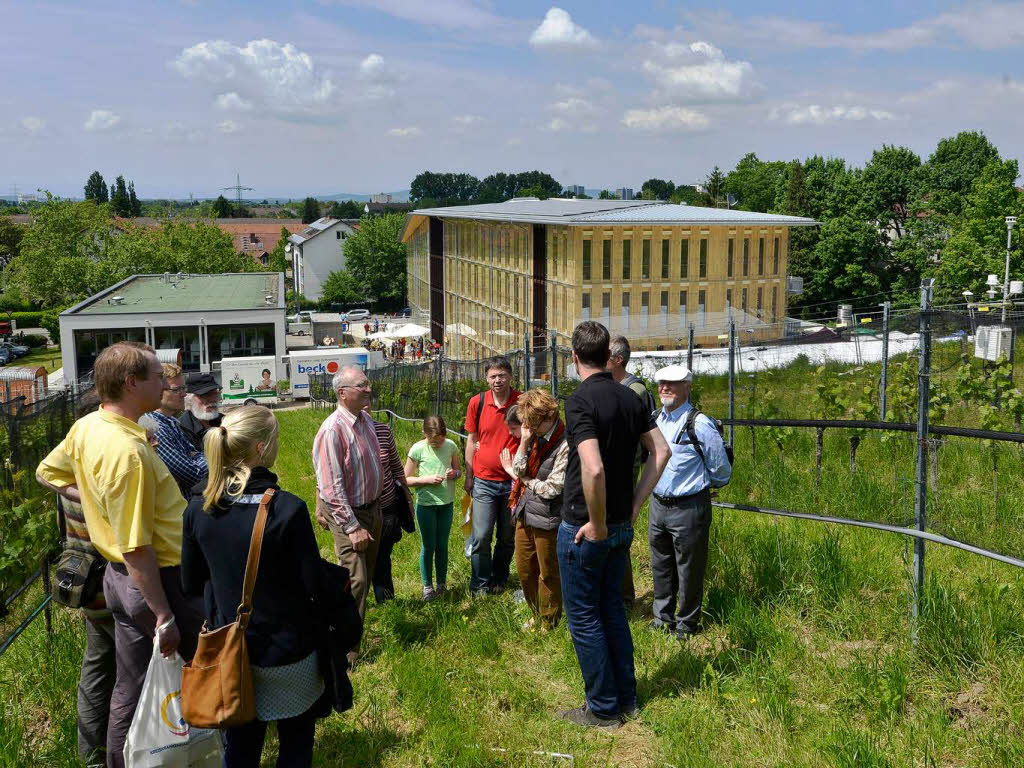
(346, 458)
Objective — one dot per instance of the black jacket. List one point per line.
(213, 554)
(194, 429)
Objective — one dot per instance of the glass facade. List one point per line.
(496, 293)
(89, 344)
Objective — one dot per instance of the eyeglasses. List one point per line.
(366, 387)
(177, 390)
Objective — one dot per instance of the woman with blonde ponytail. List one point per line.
(280, 636)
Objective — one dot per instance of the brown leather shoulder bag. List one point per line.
(216, 686)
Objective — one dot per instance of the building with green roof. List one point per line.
(207, 317)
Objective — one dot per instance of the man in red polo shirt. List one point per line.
(486, 479)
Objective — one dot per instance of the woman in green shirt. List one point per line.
(432, 468)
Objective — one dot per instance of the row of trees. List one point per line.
(884, 226)
(122, 198)
(75, 249)
(431, 189)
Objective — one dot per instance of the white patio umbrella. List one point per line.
(459, 328)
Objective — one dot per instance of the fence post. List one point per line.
(554, 367)
(526, 361)
(45, 573)
(921, 469)
(438, 372)
(884, 393)
(689, 348)
(732, 381)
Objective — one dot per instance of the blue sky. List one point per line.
(326, 96)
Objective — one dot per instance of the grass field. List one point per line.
(806, 661)
(47, 357)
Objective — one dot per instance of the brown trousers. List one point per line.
(360, 565)
(537, 564)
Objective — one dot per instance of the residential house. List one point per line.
(315, 252)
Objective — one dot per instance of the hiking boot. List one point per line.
(429, 594)
(583, 716)
(440, 590)
(630, 714)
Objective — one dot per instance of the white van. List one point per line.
(327, 360)
(248, 380)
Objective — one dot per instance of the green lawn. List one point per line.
(806, 661)
(49, 358)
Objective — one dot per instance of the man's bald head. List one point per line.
(348, 376)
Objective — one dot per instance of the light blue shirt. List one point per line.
(685, 474)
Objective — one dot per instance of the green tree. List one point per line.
(686, 194)
(890, 184)
(953, 167)
(714, 186)
(222, 208)
(754, 183)
(345, 209)
(60, 252)
(11, 235)
(96, 188)
(120, 203)
(606, 195)
(848, 261)
(977, 241)
(310, 210)
(133, 201)
(341, 287)
(376, 258)
(430, 189)
(278, 261)
(659, 189)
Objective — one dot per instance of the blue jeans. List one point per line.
(490, 510)
(592, 573)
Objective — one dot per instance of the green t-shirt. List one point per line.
(434, 462)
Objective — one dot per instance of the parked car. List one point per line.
(5, 356)
(304, 316)
(16, 350)
(407, 312)
(357, 314)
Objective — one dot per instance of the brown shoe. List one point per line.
(583, 716)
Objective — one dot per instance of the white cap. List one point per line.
(673, 373)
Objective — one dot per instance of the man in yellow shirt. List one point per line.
(133, 511)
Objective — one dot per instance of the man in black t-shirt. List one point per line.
(604, 425)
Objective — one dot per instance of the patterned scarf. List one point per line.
(534, 459)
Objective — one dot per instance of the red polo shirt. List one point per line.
(493, 434)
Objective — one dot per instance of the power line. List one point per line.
(238, 189)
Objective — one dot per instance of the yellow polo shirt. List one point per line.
(129, 498)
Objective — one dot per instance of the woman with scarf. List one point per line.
(536, 503)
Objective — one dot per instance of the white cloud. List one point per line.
(816, 114)
(232, 101)
(405, 133)
(33, 125)
(697, 70)
(101, 120)
(982, 25)
(449, 14)
(572, 113)
(228, 126)
(558, 30)
(379, 79)
(463, 123)
(179, 132)
(276, 77)
(665, 119)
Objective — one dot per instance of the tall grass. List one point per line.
(806, 660)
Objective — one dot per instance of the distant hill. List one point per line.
(402, 196)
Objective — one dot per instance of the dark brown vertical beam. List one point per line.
(436, 249)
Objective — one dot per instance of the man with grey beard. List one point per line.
(201, 408)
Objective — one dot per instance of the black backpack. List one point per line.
(691, 434)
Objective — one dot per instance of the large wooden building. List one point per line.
(486, 277)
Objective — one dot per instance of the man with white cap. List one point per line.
(680, 507)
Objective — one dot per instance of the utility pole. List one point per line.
(238, 189)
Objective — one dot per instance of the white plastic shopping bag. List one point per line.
(159, 735)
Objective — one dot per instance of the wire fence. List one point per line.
(824, 424)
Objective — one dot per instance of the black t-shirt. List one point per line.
(604, 410)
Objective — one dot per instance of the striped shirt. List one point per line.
(346, 458)
(390, 462)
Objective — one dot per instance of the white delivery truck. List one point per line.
(248, 380)
(327, 360)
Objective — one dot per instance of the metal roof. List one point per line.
(573, 212)
(21, 374)
(186, 293)
(664, 213)
(315, 228)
